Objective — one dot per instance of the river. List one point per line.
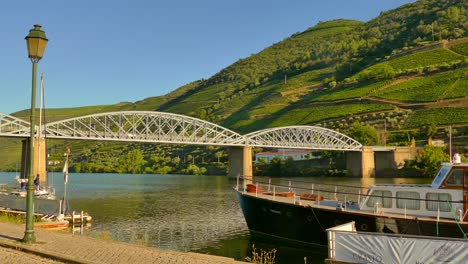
(179, 212)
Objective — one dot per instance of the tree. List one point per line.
(163, 170)
(176, 160)
(132, 162)
(431, 130)
(365, 135)
(275, 167)
(219, 155)
(289, 168)
(77, 167)
(429, 160)
(194, 170)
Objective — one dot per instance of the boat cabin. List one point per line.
(445, 197)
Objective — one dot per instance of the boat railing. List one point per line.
(336, 192)
(349, 194)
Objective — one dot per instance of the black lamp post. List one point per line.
(36, 41)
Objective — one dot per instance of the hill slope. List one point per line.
(395, 72)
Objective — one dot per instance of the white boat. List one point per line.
(39, 191)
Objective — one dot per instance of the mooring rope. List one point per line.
(465, 236)
(316, 218)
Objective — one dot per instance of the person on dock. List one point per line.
(22, 186)
(36, 182)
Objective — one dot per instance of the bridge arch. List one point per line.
(13, 126)
(302, 137)
(143, 126)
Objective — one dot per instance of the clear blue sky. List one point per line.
(109, 51)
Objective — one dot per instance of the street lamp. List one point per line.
(36, 41)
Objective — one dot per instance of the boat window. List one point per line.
(439, 200)
(408, 200)
(456, 178)
(384, 198)
(440, 176)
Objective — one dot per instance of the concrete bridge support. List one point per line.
(40, 160)
(361, 164)
(380, 161)
(240, 162)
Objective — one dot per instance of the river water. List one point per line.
(179, 212)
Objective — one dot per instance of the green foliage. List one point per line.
(275, 168)
(354, 91)
(194, 169)
(439, 116)
(311, 114)
(161, 170)
(423, 59)
(430, 159)
(219, 155)
(380, 71)
(12, 218)
(461, 48)
(365, 135)
(132, 162)
(429, 89)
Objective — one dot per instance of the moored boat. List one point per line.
(39, 191)
(439, 209)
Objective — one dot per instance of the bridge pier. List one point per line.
(361, 164)
(40, 160)
(240, 163)
(381, 161)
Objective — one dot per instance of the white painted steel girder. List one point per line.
(143, 126)
(302, 137)
(159, 127)
(13, 126)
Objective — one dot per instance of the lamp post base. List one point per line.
(29, 237)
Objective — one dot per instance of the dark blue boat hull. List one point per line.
(307, 224)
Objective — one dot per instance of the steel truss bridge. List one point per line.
(160, 127)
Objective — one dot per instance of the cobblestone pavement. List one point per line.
(12, 256)
(61, 247)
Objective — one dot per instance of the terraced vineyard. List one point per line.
(429, 89)
(461, 48)
(312, 114)
(440, 116)
(356, 91)
(425, 58)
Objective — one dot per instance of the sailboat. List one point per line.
(64, 202)
(39, 190)
(78, 221)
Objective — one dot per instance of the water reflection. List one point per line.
(181, 212)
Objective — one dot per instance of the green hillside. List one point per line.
(402, 71)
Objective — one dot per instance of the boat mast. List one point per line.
(65, 181)
(39, 134)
